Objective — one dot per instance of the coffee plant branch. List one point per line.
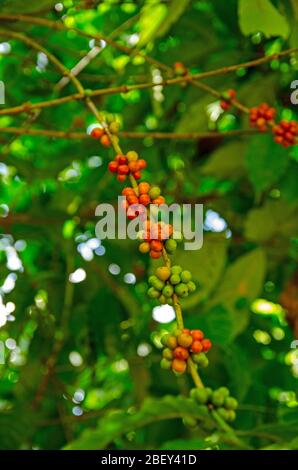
(128, 135)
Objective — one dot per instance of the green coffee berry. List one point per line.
(181, 290)
(162, 299)
(191, 286)
(185, 276)
(217, 399)
(171, 245)
(153, 293)
(114, 127)
(165, 338)
(223, 413)
(201, 359)
(175, 279)
(231, 415)
(167, 354)
(231, 403)
(165, 364)
(201, 395)
(168, 291)
(224, 391)
(176, 269)
(154, 192)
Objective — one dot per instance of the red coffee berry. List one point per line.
(97, 132)
(105, 141)
(181, 353)
(206, 343)
(144, 188)
(113, 167)
(196, 347)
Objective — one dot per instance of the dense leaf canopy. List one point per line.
(79, 348)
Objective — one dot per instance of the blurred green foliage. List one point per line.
(106, 388)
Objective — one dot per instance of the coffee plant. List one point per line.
(110, 343)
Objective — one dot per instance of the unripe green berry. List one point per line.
(201, 396)
(231, 415)
(154, 192)
(163, 273)
(217, 399)
(165, 364)
(153, 293)
(193, 393)
(175, 279)
(191, 286)
(162, 299)
(168, 291)
(231, 403)
(201, 359)
(114, 127)
(176, 269)
(185, 276)
(164, 339)
(167, 354)
(181, 290)
(224, 391)
(157, 283)
(223, 413)
(171, 245)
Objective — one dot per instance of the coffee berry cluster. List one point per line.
(262, 116)
(182, 345)
(156, 237)
(129, 164)
(219, 400)
(227, 96)
(285, 133)
(168, 281)
(138, 199)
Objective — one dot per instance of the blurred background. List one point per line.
(79, 337)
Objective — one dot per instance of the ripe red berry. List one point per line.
(155, 254)
(123, 169)
(144, 199)
(137, 175)
(141, 164)
(121, 178)
(206, 343)
(113, 167)
(97, 132)
(156, 245)
(179, 366)
(196, 347)
(181, 353)
(144, 188)
(197, 335)
(105, 141)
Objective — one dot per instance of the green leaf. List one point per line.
(152, 17)
(265, 161)
(117, 423)
(196, 117)
(226, 161)
(261, 16)
(175, 9)
(243, 279)
(274, 218)
(206, 266)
